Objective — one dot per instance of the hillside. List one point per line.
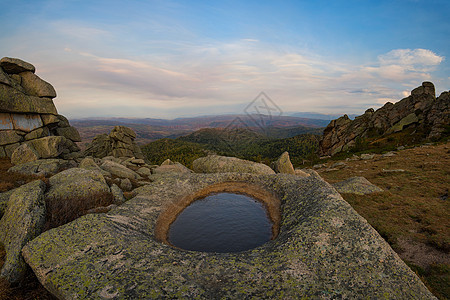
(413, 212)
(148, 129)
(242, 143)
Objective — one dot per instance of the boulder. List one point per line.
(35, 86)
(356, 185)
(22, 221)
(50, 146)
(118, 194)
(144, 171)
(24, 154)
(42, 167)
(119, 170)
(283, 164)
(70, 133)
(172, 168)
(26, 122)
(126, 185)
(324, 249)
(37, 133)
(14, 65)
(224, 164)
(74, 191)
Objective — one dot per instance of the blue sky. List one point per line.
(167, 59)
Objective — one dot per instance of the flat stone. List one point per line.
(12, 100)
(174, 168)
(35, 86)
(43, 167)
(26, 122)
(24, 154)
(324, 249)
(367, 156)
(223, 164)
(37, 133)
(118, 170)
(14, 65)
(23, 220)
(70, 133)
(144, 172)
(9, 137)
(6, 121)
(356, 185)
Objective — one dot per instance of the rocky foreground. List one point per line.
(94, 225)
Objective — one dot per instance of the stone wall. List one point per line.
(28, 114)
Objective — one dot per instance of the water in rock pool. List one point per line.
(222, 222)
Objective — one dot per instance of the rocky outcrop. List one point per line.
(224, 164)
(29, 117)
(23, 221)
(119, 143)
(356, 185)
(324, 249)
(421, 111)
(283, 164)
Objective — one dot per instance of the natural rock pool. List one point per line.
(221, 222)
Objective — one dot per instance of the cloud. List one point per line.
(416, 59)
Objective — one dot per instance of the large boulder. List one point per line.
(224, 164)
(171, 168)
(50, 146)
(324, 249)
(74, 191)
(16, 65)
(22, 221)
(356, 185)
(283, 164)
(119, 170)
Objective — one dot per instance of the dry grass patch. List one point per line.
(413, 213)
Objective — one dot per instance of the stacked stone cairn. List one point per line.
(30, 126)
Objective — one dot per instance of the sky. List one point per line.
(169, 59)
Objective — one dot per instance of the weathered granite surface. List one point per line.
(324, 249)
(223, 164)
(23, 220)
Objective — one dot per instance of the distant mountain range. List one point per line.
(149, 129)
(319, 116)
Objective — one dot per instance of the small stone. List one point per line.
(367, 156)
(393, 171)
(167, 162)
(118, 194)
(125, 184)
(144, 172)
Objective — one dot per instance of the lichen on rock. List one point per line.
(323, 249)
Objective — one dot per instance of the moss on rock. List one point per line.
(324, 249)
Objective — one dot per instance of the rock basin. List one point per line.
(324, 249)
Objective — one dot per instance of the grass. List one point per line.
(411, 214)
(10, 181)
